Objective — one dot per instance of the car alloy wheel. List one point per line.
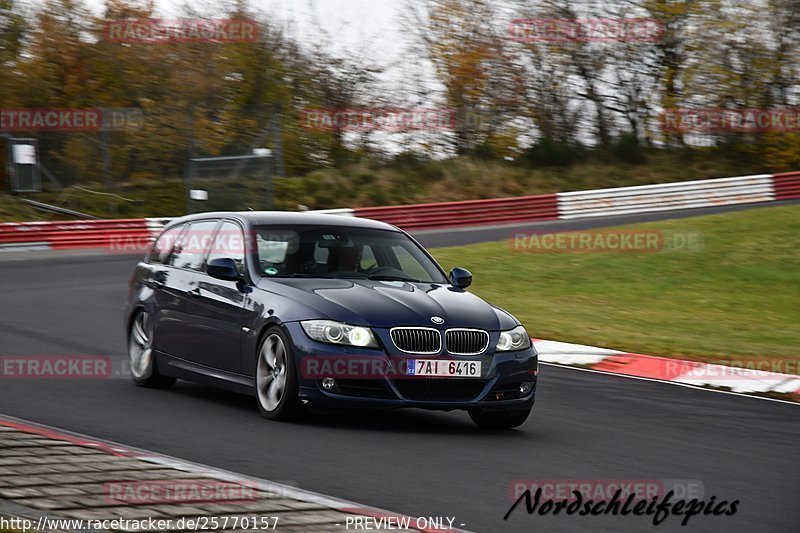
(141, 357)
(276, 382)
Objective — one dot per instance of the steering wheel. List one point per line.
(379, 270)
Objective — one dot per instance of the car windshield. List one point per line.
(342, 252)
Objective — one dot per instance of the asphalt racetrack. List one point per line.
(585, 426)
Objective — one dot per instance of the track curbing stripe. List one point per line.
(696, 374)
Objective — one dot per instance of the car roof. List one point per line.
(265, 218)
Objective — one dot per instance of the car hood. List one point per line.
(390, 303)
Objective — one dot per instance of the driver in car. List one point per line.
(345, 259)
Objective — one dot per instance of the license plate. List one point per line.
(444, 368)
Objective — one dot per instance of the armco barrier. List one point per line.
(128, 234)
(467, 213)
(72, 234)
(666, 197)
(787, 186)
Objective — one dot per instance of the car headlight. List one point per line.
(339, 333)
(512, 340)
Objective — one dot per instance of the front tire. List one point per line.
(276, 378)
(488, 419)
(141, 356)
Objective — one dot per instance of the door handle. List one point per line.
(194, 292)
(158, 284)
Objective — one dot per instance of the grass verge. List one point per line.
(737, 298)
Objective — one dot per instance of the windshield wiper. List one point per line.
(380, 277)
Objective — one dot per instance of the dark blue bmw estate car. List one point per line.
(307, 310)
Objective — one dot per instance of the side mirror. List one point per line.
(223, 268)
(461, 277)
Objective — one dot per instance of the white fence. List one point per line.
(666, 197)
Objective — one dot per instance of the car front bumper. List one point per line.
(361, 386)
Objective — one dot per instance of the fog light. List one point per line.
(328, 383)
(525, 387)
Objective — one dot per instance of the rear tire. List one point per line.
(141, 356)
(488, 419)
(276, 378)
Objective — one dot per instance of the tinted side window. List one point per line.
(192, 246)
(163, 245)
(229, 242)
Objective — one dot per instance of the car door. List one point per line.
(182, 288)
(168, 286)
(218, 308)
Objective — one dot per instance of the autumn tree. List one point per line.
(468, 53)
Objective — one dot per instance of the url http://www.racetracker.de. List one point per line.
(215, 523)
(201, 523)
